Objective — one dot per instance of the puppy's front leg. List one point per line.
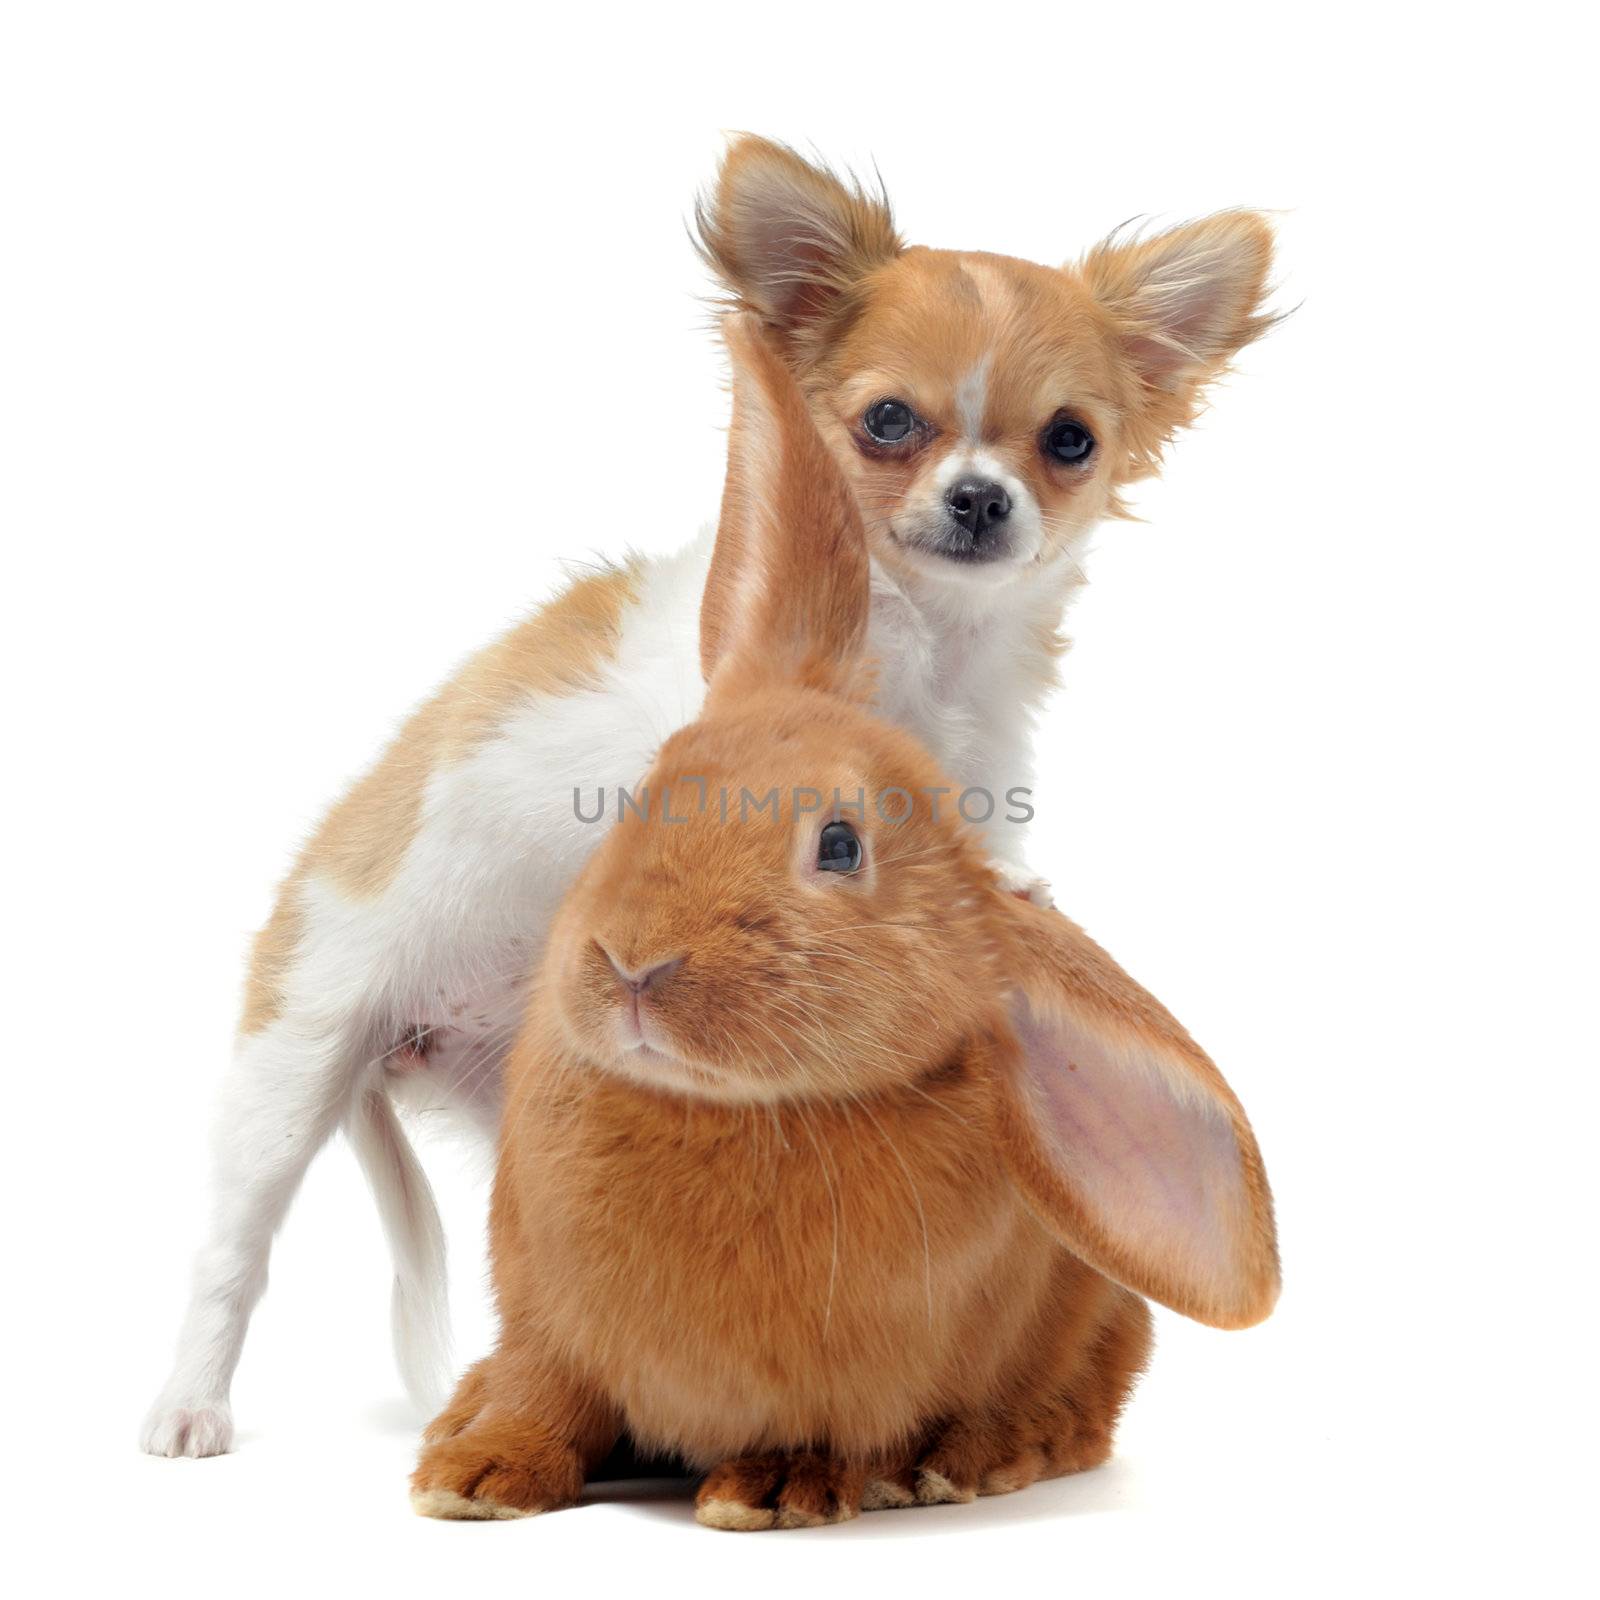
(1023, 882)
(999, 801)
(1006, 839)
(289, 1086)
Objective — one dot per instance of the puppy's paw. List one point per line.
(487, 1475)
(1023, 884)
(199, 1429)
(805, 1489)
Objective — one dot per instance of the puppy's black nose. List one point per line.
(977, 504)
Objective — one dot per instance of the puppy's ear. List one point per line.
(787, 594)
(787, 238)
(1124, 1138)
(1183, 304)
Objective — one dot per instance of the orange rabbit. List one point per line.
(826, 1164)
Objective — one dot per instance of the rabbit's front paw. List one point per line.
(805, 1489)
(492, 1474)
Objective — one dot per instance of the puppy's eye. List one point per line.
(1068, 441)
(890, 421)
(839, 849)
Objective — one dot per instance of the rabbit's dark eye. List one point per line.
(890, 421)
(1068, 441)
(839, 850)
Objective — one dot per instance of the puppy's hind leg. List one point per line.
(291, 1083)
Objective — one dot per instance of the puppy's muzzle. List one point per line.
(976, 523)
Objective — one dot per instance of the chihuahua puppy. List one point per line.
(988, 412)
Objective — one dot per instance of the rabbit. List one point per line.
(827, 1165)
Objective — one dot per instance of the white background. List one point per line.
(329, 331)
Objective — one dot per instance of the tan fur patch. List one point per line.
(883, 1494)
(451, 1507)
(793, 1517)
(270, 956)
(734, 1516)
(557, 651)
(934, 1489)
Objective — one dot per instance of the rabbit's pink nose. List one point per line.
(639, 979)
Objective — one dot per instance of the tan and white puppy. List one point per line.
(988, 413)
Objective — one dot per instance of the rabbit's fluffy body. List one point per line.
(718, 1242)
(750, 1280)
(807, 1233)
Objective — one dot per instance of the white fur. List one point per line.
(449, 943)
(420, 1309)
(972, 400)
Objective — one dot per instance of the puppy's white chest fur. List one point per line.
(966, 670)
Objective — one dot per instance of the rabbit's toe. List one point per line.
(890, 1493)
(779, 1490)
(1002, 1455)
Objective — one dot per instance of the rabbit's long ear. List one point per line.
(787, 593)
(1123, 1136)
